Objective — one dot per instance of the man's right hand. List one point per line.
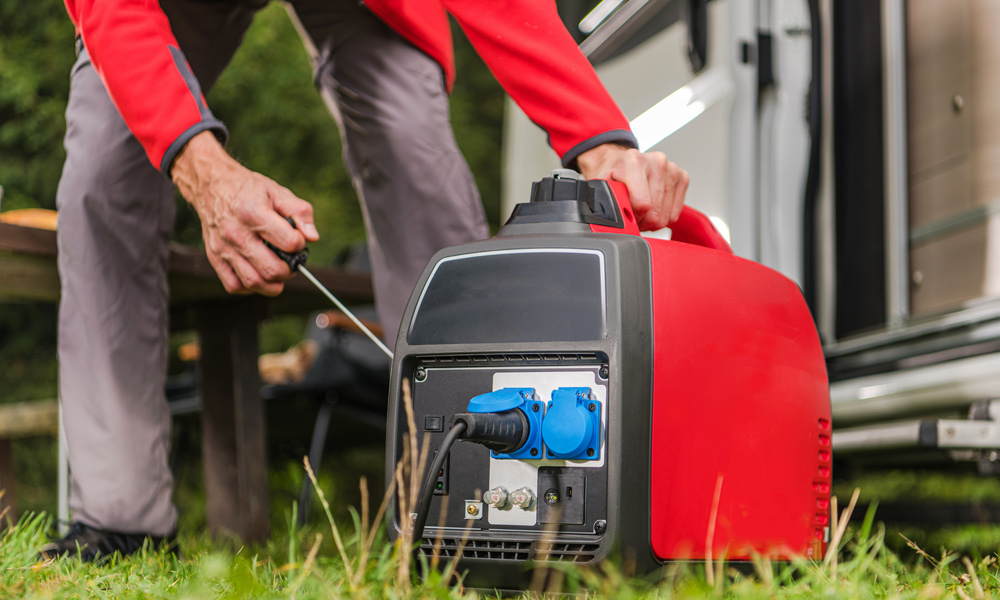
(239, 209)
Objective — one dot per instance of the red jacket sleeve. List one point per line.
(529, 51)
(149, 80)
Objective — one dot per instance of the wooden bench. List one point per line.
(233, 424)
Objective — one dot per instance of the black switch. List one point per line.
(434, 423)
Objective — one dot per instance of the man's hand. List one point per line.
(239, 209)
(656, 186)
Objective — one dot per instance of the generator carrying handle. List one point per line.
(692, 227)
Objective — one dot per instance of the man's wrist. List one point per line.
(195, 164)
(599, 160)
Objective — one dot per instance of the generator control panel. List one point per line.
(557, 476)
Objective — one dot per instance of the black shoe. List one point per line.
(96, 545)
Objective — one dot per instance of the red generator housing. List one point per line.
(675, 395)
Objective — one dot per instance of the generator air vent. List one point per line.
(571, 552)
(520, 359)
(490, 549)
(509, 550)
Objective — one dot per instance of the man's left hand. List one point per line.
(656, 186)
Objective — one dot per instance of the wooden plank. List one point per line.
(27, 240)
(26, 419)
(28, 272)
(8, 501)
(233, 426)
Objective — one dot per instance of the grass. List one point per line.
(352, 559)
(348, 556)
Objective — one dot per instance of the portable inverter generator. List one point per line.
(589, 392)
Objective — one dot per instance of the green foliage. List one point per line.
(36, 53)
(912, 484)
(27, 352)
(477, 104)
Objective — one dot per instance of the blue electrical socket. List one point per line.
(524, 400)
(571, 428)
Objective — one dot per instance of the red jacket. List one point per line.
(523, 42)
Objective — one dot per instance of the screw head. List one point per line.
(551, 496)
(496, 453)
(604, 371)
(591, 407)
(536, 407)
(472, 509)
(600, 526)
(590, 452)
(534, 451)
(420, 374)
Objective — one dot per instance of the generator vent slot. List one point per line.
(489, 549)
(510, 550)
(821, 483)
(571, 552)
(515, 358)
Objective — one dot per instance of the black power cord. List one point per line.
(502, 432)
(427, 490)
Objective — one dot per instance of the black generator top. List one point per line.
(566, 197)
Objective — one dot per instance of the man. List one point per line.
(137, 124)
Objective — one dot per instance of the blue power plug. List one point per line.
(572, 425)
(524, 400)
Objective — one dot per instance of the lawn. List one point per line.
(345, 558)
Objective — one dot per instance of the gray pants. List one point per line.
(116, 213)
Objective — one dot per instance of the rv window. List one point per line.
(609, 28)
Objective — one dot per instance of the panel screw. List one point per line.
(536, 407)
(591, 407)
(496, 453)
(534, 451)
(590, 452)
(600, 526)
(472, 509)
(420, 374)
(604, 371)
(551, 496)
